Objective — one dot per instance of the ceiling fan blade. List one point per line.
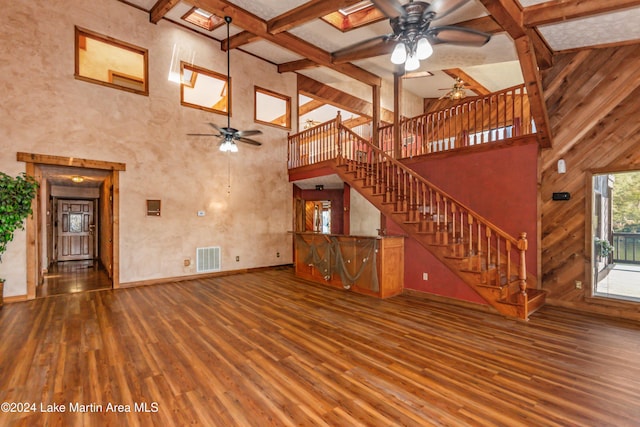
(203, 134)
(243, 133)
(442, 8)
(458, 36)
(389, 8)
(249, 141)
(375, 46)
(213, 125)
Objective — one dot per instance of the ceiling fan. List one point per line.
(413, 34)
(228, 134)
(456, 92)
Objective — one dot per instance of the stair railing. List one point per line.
(316, 144)
(474, 240)
(480, 120)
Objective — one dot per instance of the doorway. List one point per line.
(318, 216)
(88, 258)
(615, 235)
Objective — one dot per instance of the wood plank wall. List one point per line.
(593, 100)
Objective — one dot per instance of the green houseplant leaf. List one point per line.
(16, 195)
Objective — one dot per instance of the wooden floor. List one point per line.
(263, 348)
(73, 276)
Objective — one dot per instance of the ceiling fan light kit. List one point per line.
(413, 34)
(229, 146)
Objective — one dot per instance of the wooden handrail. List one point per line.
(421, 179)
(494, 117)
(413, 194)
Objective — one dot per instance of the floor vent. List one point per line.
(208, 259)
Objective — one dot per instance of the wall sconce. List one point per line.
(562, 166)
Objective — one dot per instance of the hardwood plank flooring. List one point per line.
(73, 276)
(266, 349)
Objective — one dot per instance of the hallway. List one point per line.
(73, 276)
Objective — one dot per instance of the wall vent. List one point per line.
(208, 259)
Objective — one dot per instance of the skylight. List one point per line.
(354, 16)
(355, 7)
(203, 19)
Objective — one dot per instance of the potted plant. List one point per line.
(16, 195)
(603, 248)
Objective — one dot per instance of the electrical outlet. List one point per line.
(187, 262)
(237, 258)
(425, 276)
(277, 254)
(578, 284)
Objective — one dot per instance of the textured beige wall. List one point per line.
(365, 218)
(47, 111)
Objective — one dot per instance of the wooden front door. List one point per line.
(76, 229)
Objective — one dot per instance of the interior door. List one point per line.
(76, 230)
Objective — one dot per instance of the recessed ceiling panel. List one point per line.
(594, 30)
(266, 9)
(273, 52)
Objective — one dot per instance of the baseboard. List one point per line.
(14, 298)
(174, 279)
(448, 300)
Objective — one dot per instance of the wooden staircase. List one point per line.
(485, 257)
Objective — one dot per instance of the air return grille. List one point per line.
(208, 259)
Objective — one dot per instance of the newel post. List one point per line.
(522, 268)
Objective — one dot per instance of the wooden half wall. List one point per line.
(593, 101)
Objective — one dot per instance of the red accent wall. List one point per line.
(499, 184)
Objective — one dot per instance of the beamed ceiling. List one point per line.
(526, 35)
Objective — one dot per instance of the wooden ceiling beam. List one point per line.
(242, 38)
(564, 10)
(301, 64)
(160, 9)
(258, 26)
(310, 106)
(305, 13)
(508, 14)
(293, 18)
(470, 83)
(533, 83)
(339, 99)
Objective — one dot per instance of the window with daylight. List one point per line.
(109, 62)
(204, 89)
(272, 108)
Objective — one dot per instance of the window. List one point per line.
(204, 89)
(272, 108)
(109, 62)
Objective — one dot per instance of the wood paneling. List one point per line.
(593, 98)
(264, 349)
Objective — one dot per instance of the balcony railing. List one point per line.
(481, 120)
(626, 248)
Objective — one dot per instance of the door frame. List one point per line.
(33, 223)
